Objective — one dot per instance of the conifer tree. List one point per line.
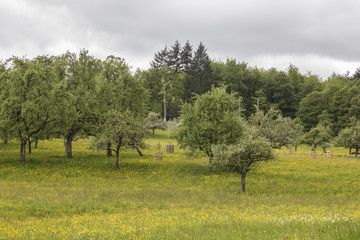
(201, 71)
(186, 60)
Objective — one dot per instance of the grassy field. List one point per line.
(293, 197)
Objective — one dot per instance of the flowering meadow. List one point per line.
(292, 197)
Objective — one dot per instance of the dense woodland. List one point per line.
(71, 96)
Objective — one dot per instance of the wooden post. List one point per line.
(169, 148)
(329, 154)
(312, 154)
(289, 151)
(158, 156)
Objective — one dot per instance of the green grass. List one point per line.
(293, 197)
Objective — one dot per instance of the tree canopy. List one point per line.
(213, 119)
(349, 137)
(122, 131)
(243, 155)
(280, 131)
(28, 99)
(153, 121)
(68, 95)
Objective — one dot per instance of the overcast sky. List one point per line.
(321, 36)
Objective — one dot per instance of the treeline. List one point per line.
(177, 74)
(69, 96)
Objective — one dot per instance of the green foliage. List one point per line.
(260, 101)
(339, 98)
(28, 100)
(213, 119)
(350, 137)
(310, 108)
(240, 157)
(232, 74)
(319, 136)
(154, 121)
(121, 131)
(356, 75)
(342, 106)
(176, 74)
(5, 129)
(79, 112)
(278, 130)
(201, 71)
(283, 90)
(310, 84)
(240, 79)
(151, 81)
(173, 126)
(166, 86)
(118, 90)
(354, 109)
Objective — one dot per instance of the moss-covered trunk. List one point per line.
(22, 150)
(108, 150)
(243, 182)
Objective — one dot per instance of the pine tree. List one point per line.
(175, 57)
(161, 58)
(201, 71)
(186, 57)
(186, 60)
(357, 74)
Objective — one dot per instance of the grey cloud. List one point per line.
(244, 29)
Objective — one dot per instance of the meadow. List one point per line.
(292, 197)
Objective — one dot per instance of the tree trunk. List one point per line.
(36, 143)
(200, 85)
(243, 182)
(324, 150)
(138, 150)
(153, 131)
(210, 163)
(117, 158)
(29, 141)
(350, 150)
(68, 147)
(295, 148)
(5, 141)
(108, 150)
(186, 88)
(356, 151)
(164, 99)
(22, 150)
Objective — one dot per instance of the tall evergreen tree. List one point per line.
(356, 75)
(161, 58)
(186, 60)
(175, 57)
(201, 71)
(186, 56)
(169, 65)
